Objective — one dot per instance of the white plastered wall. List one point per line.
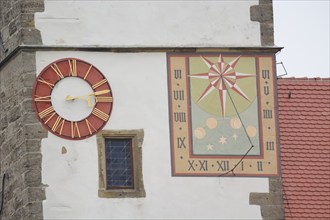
(148, 23)
(139, 84)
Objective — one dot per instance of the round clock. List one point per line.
(72, 99)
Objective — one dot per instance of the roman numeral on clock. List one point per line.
(45, 82)
(103, 99)
(73, 67)
(99, 83)
(58, 124)
(46, 112)
(89, 126)
(42, 98)
(74, 129)
(89, 69)
(57, 71)
(98, 113)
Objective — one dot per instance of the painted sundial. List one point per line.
(223, 101)
(222, 110)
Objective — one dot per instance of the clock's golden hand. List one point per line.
(88, 99)
(101, 92)
(89, 102)
(68, 97)
(85, 97)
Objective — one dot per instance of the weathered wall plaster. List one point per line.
(149, 23)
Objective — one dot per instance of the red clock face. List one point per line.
(72, 99)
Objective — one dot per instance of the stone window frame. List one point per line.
(136, 136)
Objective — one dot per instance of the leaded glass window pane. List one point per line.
(119, 163)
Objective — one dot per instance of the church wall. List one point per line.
(48, 177)
(139, 85)
(141, 25)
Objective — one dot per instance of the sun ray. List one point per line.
(234, 62)
(207, 91)
(217, 83)
(229, 72)
(221, 86)
(221, 60)
(231, 77)
(226, 67)
(229, 83)
(238, 90)
(216, 68)
(223, 96)
(222, 77)
(244, 75)
(214, 71)
(207, 62)
(200, 76)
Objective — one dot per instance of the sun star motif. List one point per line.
(222, 140)
(222, 77)
(209, 147)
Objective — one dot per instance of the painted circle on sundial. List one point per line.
(251, 131)
(200, 133)
(235, 123)
(211, 123)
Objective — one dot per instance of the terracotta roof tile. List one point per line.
(304, 116)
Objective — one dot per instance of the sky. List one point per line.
(302, 28)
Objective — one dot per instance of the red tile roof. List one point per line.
(304, 116)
